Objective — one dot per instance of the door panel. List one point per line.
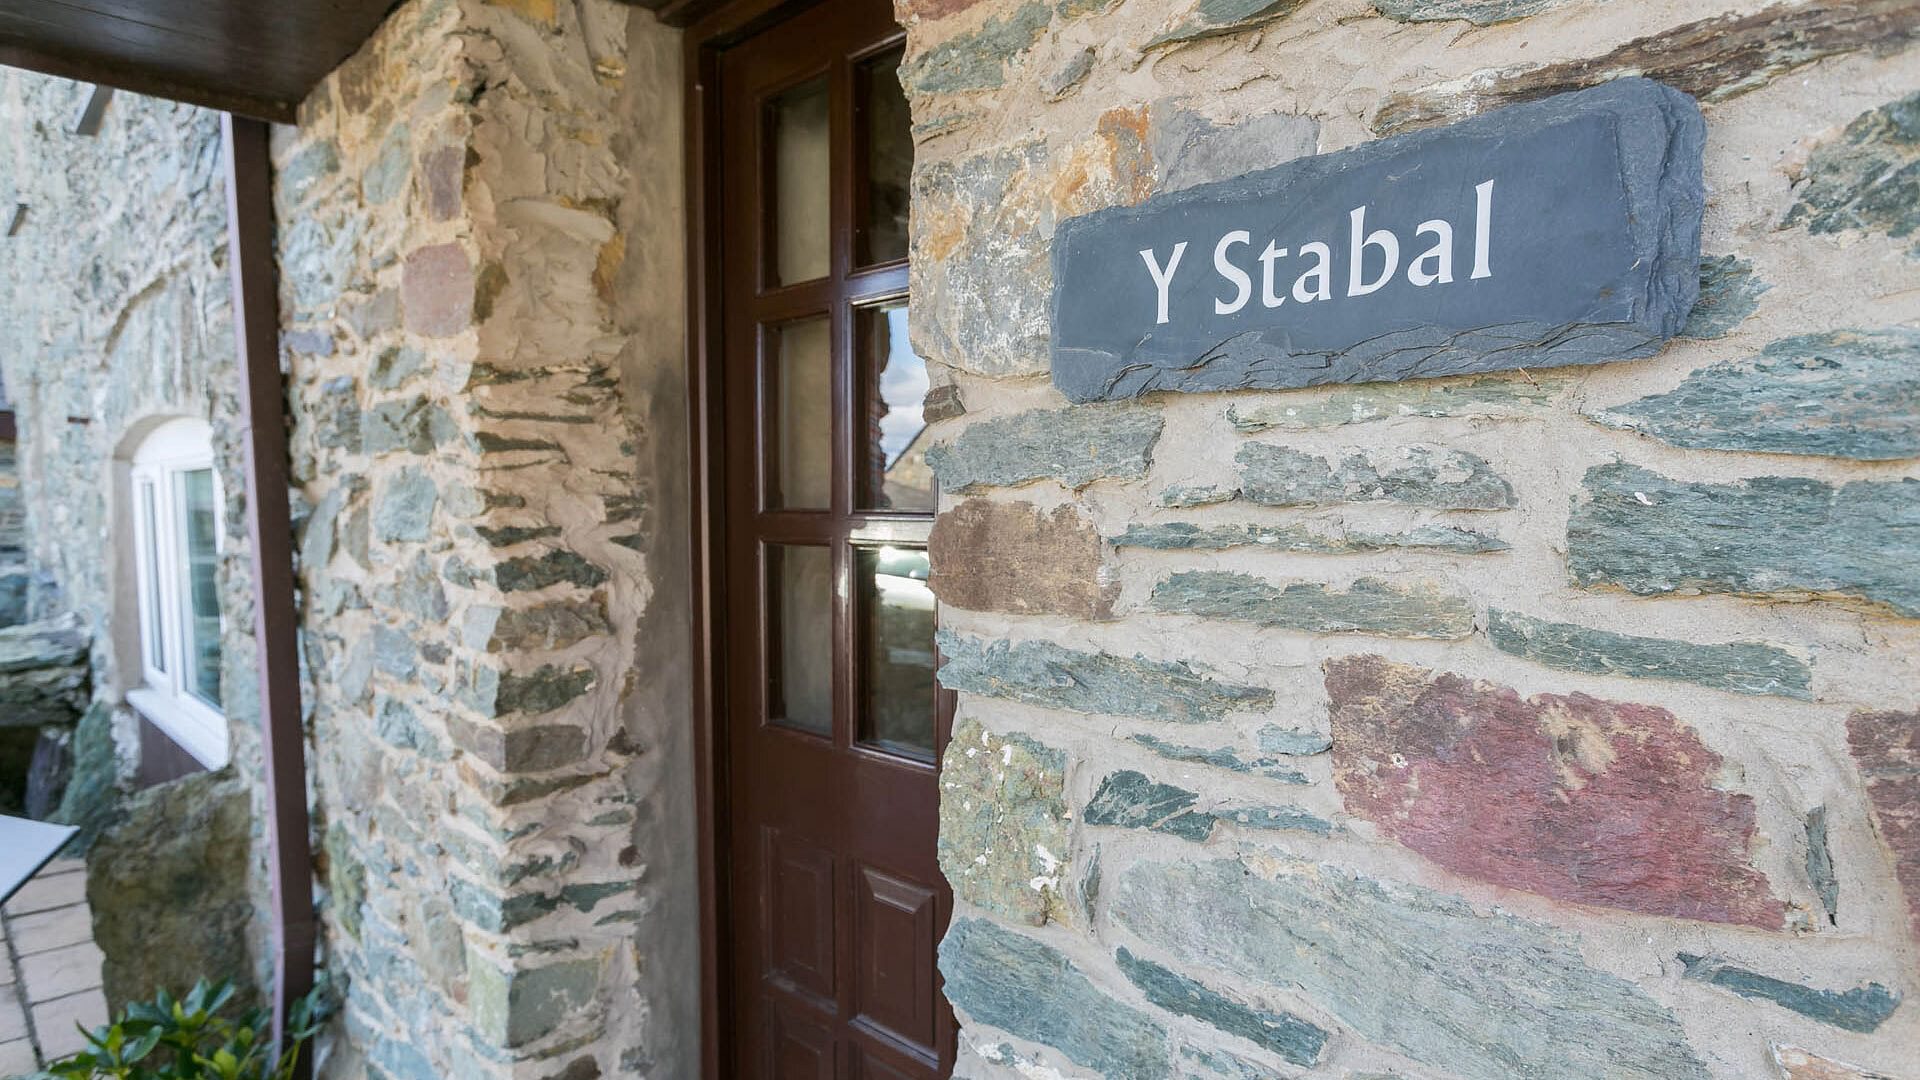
(832, 719)
(894, 929)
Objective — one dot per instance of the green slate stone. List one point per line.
(1862, 1009)
(1475, 995)
(539, 571)
(1030, 990)
(1283, 818)
(1477, 395)
(1278, 740)
(514, 1008)
(1820, 872)
(1729, 292)
(1478, 12)
(1074, 446)
(1769, 536)
(1368, 606)
(1848, 394)
(1436, 479)
(976, 60)
(1042, 673)
(1004, 834)
(1869, 178)
(1287, 1035)
(1224, 757)
(1744, 667)
(1129, 800)
(1303, 539)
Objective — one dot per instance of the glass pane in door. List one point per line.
(896, 475)
(896, 624)
(199, 525)
(799, 416)
(797, 120)
(800, 630)
(886, 130)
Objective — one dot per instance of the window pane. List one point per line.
(800, 626)
(801, 442)
(153, 622)
(798, 119)
(896, 476)
(199, 526)
(888, 134)
(896, 611)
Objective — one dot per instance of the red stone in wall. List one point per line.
(1886, 747)
(1568, 796)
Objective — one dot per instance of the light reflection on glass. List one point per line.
(897, 617)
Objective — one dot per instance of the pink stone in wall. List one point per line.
(1886, 747)
(445, 171)
(436, 290)
(1568, 796)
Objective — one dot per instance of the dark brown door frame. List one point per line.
(705, 40)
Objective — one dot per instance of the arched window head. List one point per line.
(176, 533)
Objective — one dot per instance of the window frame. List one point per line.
(158, 531)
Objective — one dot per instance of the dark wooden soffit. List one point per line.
(257, 58)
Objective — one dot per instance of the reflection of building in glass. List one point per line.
(898, 478)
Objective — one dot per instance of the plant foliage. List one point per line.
(188, 1039)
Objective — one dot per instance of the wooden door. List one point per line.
(832, 721)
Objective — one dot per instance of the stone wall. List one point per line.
(1555, 724)
(478, 432)
(115, 311)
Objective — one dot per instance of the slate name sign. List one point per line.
(1562, 231)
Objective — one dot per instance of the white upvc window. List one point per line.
(177, 542)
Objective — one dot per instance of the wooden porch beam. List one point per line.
(256, 326)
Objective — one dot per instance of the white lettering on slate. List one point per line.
(1365, 250)
(1164, 278)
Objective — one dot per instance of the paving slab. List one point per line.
(47, 893)
(46, 930)
(60, 972)
(16, 1058)
(13, 1014)
(54, 1021)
